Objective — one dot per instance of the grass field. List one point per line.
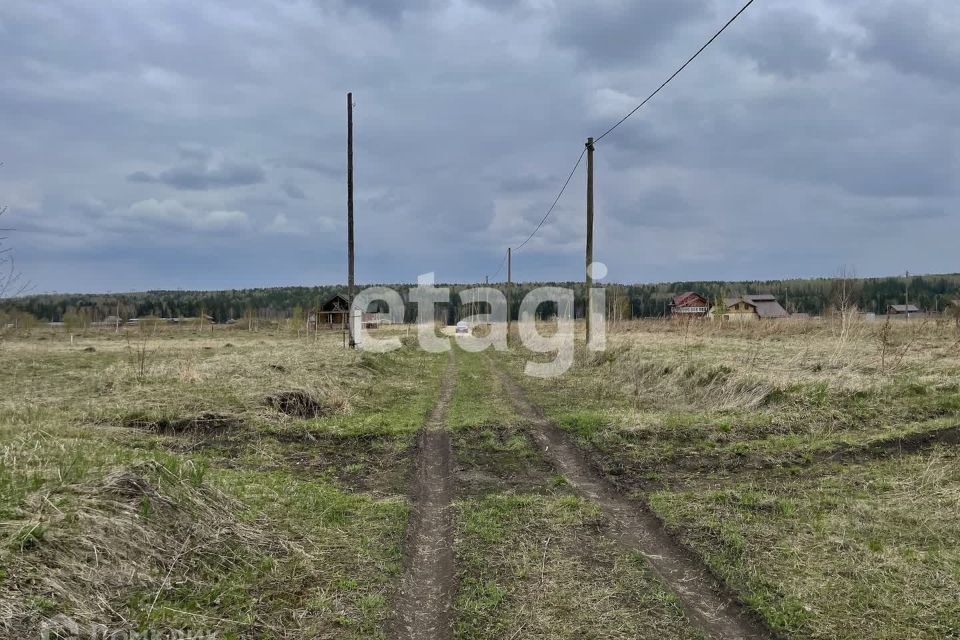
(184, 498)
(815, 470)
(258, 485)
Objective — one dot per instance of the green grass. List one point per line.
(275, 526)
(815, 554)
(761, 450)
(478, 400)
(539, 566)
(272, 526)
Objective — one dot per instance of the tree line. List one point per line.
(819, 296)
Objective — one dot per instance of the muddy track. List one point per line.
(426, 590)
(709, 471)
(705, 600)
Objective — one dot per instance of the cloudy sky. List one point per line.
(185, 144)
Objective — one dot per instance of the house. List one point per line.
(689, 305)
(333, 314)
(752, 307)
(901, 309)
(109, 321)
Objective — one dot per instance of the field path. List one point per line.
(706, 602)
(426, 590)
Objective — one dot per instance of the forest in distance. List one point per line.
(930, 293)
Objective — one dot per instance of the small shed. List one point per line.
(901, 309)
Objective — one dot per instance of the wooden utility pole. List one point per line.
(588, 281)
(353, 343)
(509, 287)
(906, 295)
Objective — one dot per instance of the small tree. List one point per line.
(719, 307)
(296, 319)
(954, 311)
(72, 321)
(11, 282)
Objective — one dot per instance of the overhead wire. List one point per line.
(677, 72)
(624, 119)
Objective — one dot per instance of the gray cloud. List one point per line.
(818, 133)
(921, 38)
(622, 32)
(199, 170)
(390, 10)
(293, 191)
(306, 164)
(787, 42)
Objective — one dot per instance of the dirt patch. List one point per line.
(706, 468)
(427, 587)
(902, 445)
(203, 424)
(301, 404)
(496, 458)
(374, 464)
(705, 600)
(887, 447)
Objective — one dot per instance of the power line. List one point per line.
(500, 268)
(547, 214)
(678, 71)
(621, 121)
(555, 201)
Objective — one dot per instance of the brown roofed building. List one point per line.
(689, 305)
(901, 309)
(753, 307)
(333, 314)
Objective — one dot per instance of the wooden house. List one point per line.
(752, 307)
(333, 314)
(689, 305)
(902, 309)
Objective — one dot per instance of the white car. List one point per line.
(463, 329)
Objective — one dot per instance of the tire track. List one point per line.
(706, 601)
(426, 589)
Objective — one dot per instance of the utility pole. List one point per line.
(509, 287)
(588, 281)
(353, 344)
(906, 295)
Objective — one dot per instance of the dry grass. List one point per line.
(861, 551)
(84, 547)
(793, 456)
(165, 493)
(542, 567)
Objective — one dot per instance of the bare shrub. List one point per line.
(304, 404)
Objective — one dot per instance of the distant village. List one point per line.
(765, 306)
(331, 312)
